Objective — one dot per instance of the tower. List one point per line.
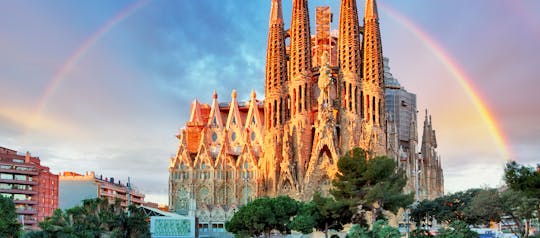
(372, 82)
(297, 133)
(349, 84)
(276, 79)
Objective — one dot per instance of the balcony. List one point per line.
(25, 202)
(18, 191)
(13, 181)
(26, 211)
(29, 222)
(18, 171)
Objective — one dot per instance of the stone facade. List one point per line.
(324, 95)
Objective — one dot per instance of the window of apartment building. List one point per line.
(6, 176)
(6, 195)
(20, 177)
(18, 161)
(5, 166)
(5, 186)
(23, 168)
(19, 186)
(19, 197)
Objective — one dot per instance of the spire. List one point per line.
(426, 137)
(276, 65)
(276, 13)
(300, 56)
(372, 47)
(371, 10)
(349, 38)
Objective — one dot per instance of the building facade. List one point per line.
(324, 95)
(403, 140)
(33, 188)
(74, 188)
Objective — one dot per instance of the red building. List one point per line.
(33, 188)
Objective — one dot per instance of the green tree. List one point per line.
(421, 233)
(381, 229)
(484, 208)
(304, 221)
(448, 208)
(522, 178)
(457, 229)
(263, 215)
(95, 218)
(519, 209)
(323, 214)
(374, 184)
(358, 231)
(9, 226)
(525, 182)
(424, 211)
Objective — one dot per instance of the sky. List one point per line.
(105, 86)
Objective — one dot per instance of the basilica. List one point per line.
(325, 94)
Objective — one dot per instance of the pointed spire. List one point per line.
(214, 118)
(276, 65)
(300, 56)
(426, 136)
(276, 13)
(349, 38)
(371, 10)
(372, 47)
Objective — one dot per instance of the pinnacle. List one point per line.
(371, 10)
(276, 14)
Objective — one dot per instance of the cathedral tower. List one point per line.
(298, 149)
(349, 83)
(275, 102)
(373, 81)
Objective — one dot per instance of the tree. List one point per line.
(457, 229)
(519, 209)
(323, 214)
(375, 184)
(9, 226)
(263, 215)
(358, 231)
(381, 229)
(95, 218)
(421, 233)
(484, 208)
(447, 208)
(522, 178)
(525, 182)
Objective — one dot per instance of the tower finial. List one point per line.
(253, 94)
(276, 13)
(371, 10)
(214, 94)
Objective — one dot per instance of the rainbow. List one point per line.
(61, 73)
(459, 74)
